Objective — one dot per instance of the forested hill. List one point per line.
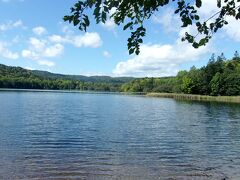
(17, 77)
(18, 71)
(95, 79)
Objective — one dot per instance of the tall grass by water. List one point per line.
(227, 99)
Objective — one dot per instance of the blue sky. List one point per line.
(33, 36)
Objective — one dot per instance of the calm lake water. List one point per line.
(47, 135)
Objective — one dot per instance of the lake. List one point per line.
(52, 135)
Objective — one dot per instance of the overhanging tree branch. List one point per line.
(132, 15)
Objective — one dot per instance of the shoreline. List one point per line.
(56, 91)
(188, 97)
(72, 91)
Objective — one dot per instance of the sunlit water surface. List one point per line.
(47, 135)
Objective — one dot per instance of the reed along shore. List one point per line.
(227, 99)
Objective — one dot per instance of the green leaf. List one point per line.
(104, 17)
(177, 11)
(86, 20)
(202, 42)
(66, 18)
(96, 11)
(219, 3)
(76, 21)
(198, 3)
(137, 52)
(198, 24)
(140, 41)
(131, 51)
(127, 25)
(195, 45)
(197, 17)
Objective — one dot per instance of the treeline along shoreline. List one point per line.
(220, 77)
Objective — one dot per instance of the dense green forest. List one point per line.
(219, 77)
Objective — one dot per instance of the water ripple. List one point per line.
(99, 136)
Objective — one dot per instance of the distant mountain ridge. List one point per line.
(19, 71)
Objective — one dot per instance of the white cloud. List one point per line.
(37, 44)
(207, 9)
(39, 30)
(46, 63)
(109, 24)
(159, 60)
(232, 29)
(40, 49)
(53, 51)
(29, 68)
(169, 20)
(92, 40)
(43, 48)
(30, 54)
(34, 56)
(67, 29)
(87, 40)
(11, 25)
(106, 54)
(6, 53)
(56, 39)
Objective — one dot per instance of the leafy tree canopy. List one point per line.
(132, 14)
